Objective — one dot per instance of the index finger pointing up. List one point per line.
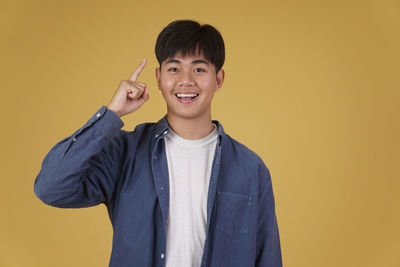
(138, 70)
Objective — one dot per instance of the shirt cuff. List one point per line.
(106, 122)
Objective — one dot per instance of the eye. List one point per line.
(199, 70)
(173, 69)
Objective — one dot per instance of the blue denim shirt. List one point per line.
(128, 172)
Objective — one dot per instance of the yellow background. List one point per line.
(311, 86)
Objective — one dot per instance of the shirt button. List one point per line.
(73, 140)
(98, 115)
(165, 132)
(156, 136)
(162, 255)
(162, 188)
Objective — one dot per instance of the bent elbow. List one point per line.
(43, 193)
(51, 194)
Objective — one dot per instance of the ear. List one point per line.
(220, 79)
(158, 77)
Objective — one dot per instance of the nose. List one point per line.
(186, 78)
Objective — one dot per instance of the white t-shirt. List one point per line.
(189, 168)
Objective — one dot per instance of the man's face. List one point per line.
(188, 85)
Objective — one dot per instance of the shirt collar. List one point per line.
(162, 129)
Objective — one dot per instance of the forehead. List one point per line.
(197, 57)
(186, 59)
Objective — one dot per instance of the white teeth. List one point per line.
(186, 95)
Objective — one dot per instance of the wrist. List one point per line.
(115, 111)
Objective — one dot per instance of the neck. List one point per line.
(190, 128)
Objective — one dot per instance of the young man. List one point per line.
(179, 192)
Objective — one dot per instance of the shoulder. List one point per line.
(241, 154)
(143, 128)
(242, 149)
(141, 134)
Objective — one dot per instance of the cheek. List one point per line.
(167, 84)
(208, 85)
(208, 81)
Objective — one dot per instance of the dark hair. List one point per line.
(188, 37)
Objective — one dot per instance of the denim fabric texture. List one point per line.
(127, 171)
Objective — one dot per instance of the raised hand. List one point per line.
(130, 94)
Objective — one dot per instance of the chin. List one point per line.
(184, 114)
(187, 116)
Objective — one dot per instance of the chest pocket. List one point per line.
(233, 213)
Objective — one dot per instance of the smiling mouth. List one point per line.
(186, 96)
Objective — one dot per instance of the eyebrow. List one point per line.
(196, 61)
